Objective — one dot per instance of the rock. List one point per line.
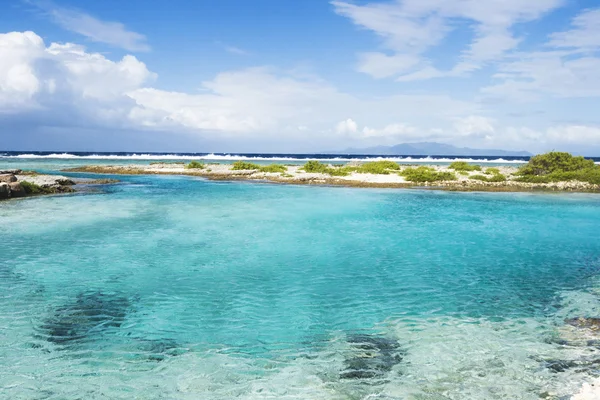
(581, 322)
(65, 182)
(10, 171)
(372, 357)
(8, 178)
(4, 191)
(16, 190)
(91, 314)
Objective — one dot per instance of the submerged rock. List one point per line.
(581, 322)
(90, 314)
(372, 357)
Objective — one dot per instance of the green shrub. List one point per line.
(559, 167)
(273, 168)
(492, 171)
(555, 161)
(378, 167)
(426, 174)
(195, 165)
(464, 166)
(494, 178)
(32, 188)
(589, 175)
(244, 166)
(314, 166)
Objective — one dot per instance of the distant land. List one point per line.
(431, 149)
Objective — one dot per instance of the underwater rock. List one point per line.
(158, 350)
(564, 365)
(372, 357)
(581, 322)
(90, 314)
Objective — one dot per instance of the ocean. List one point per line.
(172, 287)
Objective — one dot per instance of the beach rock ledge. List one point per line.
(13, 184)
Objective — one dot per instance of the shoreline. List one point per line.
(295, 176)
(18, 184)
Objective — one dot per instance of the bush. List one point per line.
(494, 178)
(314, 166)
(32, 188)
(273, 168)
(244, 166)
(426, 174)
(559, 167)
(464, 166)
(195, 165)
(555, 161)
(378, 167)
(493, 171)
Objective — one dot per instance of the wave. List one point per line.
(265, 157)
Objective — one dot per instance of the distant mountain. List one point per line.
(432, 149)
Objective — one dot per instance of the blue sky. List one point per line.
(299, 76)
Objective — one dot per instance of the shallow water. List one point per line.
(180, 288)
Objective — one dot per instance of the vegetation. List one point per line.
(195, 165)
(273, 168)
(464, 166)
(378, 167)
(494, 178)
(246, 166)
(314, 166)
(32, 188)
(559, 167)
(492, 171)
(426, 174)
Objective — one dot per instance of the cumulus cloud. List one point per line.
(347, 126)
(474, 125)
(65, 85)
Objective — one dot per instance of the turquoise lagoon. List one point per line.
(180, 288)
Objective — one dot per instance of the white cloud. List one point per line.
(395, 131)
(347, 126)
(380, 65)
(112, 33)
(585, 34)
(474, 125)
(568, 68)
(236, 50)
(65, 84)
(411, 27)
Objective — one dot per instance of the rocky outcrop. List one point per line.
(17, 190)
(4, 191)
(7, 178)
(14, 185)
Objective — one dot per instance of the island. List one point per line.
(554, 171)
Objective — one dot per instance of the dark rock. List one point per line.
(16, 190)
(372, 357)
(65, 182)
(10, 171)
(4, 191)
(8, 178)
(91, 313)
(564, 365)
(581, 322)
(62, 189)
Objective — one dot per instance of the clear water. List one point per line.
(180, 288)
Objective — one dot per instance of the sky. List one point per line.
(299, 76)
